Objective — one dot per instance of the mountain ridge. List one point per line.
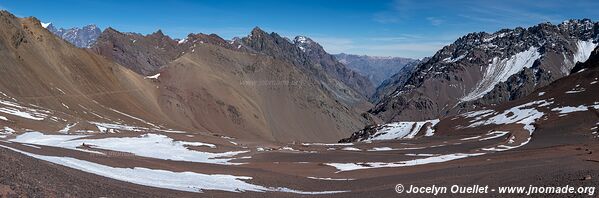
(83, 37)
(480, 69)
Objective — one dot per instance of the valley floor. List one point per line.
(368, 169)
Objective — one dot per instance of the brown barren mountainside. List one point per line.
(251, 95)
(232, 88)
(208, 88)
(41, 70)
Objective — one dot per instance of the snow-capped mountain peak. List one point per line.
(83, 37)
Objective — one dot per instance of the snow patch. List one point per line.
(350, 149)
(583, 52)
(66, 129)
(153, 76)
(541, 93)
(453, 60)
(162, 147)
(429, 160)
(330, 179)
(403, 130)
(21, 111)
(45, 25)
(494, 134)
(525, 114)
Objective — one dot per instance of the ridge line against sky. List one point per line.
(404, 28)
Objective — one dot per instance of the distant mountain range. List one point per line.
(376, 68)
(83, 37)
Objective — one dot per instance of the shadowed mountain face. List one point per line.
(147, 54)
(348, 86)
(377, 69)
(487, 69)
(83, 37)
(144, 54)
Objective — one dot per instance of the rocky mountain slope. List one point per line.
(148, 54)
(210, 87)
(47, 84)
(544, 108)
(144, 54)
(375, 68)
(253, 96)
(83, 37)
(349, 86)
(488, 69)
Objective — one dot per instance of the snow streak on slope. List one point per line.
(16, 109)
(525, 114)
(403, 130)
(584, 49)
(500, 70)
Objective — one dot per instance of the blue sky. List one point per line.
(405, 28)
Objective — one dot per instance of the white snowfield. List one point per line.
(403, 130)
(428, 160)
(500, 70)
(182, 181)
(148, 145)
